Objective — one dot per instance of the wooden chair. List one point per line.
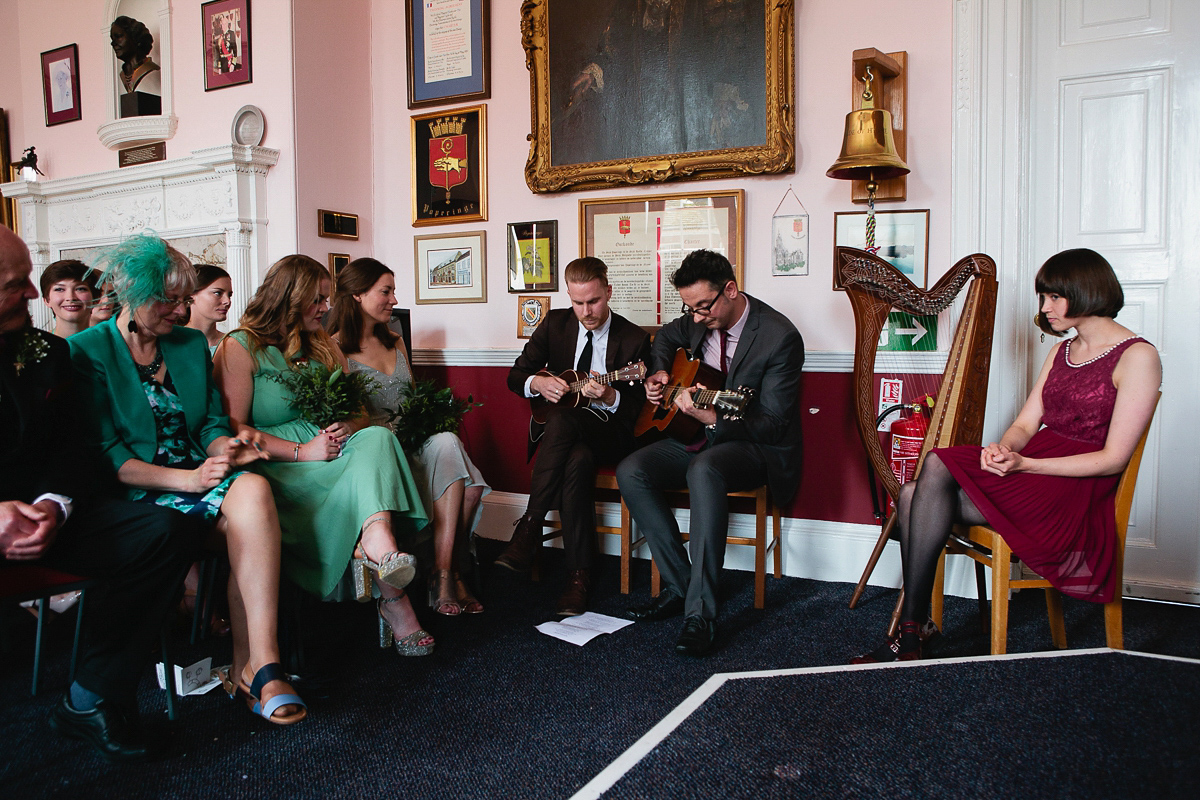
(20, 582)
(762, 503)
(606, 478)
(988, 548)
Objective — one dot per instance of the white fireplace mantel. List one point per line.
(215, 191)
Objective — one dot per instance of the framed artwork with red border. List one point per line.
(449, 166)
(60, 85)
(225, 28)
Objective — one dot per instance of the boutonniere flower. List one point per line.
(31, 349)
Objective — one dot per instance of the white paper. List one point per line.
(199, 678)
(582, 629)
(447, 39)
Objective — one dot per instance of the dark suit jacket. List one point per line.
(552, 347)
(122, 422)
(768, 359)
(41, 437)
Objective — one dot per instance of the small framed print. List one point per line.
(336, 224)
(451, 267)
(60, 85)
(533, 256)
(225, 34)
(336, 262)
(902, 238)
(449, 166)
(531, 310)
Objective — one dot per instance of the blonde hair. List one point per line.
(274, 316)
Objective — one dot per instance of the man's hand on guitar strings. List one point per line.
(551, 388)
(654, 386)
(683, 400)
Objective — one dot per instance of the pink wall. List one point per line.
(826, 34)
(333, 121)
(73, 148)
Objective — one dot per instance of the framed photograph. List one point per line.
(337, 224)
(60, 85)
(902, 237)
(636, 92)
(448, 45)
(789, 244)
(225, 36)
(336, 262)
(533, 256)
(643, 239)
(451, 267)
(531, 310)
(449, 166)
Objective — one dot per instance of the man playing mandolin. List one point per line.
(582, 419)
(760, 353)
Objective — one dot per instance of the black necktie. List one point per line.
(585, 357)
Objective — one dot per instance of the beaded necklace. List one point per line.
(1097, 358)
(147, 371)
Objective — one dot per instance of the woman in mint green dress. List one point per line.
(345, 493)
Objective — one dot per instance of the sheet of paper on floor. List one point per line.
(582, 629)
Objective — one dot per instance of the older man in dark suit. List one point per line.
(50, 512)
(756, 347)
(575, 441)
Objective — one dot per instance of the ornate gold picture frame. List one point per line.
(626, 92)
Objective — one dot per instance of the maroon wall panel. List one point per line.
(833, 487)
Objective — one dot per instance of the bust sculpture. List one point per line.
(132, 42)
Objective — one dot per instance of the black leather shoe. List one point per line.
(665, 606)
(522, 549)
(697, 636)
(105, 727)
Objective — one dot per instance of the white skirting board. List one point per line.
(825, 551)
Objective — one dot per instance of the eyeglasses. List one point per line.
(175, 302)
(702, 309)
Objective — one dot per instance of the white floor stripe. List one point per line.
(607, 777)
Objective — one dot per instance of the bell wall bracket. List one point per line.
(891, 92)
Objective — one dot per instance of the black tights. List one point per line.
(926, 511)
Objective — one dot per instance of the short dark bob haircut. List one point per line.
(1086, 279)
(703, 265)
(68, 269)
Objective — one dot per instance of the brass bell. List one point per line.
(868, 150)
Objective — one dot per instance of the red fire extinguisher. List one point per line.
(907, 436)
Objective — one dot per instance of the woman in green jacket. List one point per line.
(156, 416)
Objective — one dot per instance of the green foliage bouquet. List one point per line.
(425, 410)
(322, 397)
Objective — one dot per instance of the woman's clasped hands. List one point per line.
(999, 459)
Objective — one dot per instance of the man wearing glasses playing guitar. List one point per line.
(582, 371)
(760, 352)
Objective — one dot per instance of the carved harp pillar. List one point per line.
(875, 289)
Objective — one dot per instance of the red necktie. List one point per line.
(724, 339)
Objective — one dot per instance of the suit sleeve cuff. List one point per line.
(529, 392)
(64, 503)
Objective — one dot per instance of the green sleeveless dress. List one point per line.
(323, 504)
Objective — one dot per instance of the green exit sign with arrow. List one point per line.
(907, 333)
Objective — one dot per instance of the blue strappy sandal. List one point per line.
(273, 672)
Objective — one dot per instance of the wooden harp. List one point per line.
(875, 289)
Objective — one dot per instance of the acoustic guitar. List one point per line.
(540, 406)
(667, 419)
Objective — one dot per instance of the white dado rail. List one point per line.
(217, 192)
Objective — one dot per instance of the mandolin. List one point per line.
(687, 372)
(540, 407)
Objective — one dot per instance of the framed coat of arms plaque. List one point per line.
(449, 166)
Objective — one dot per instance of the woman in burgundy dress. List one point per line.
(1049, 491)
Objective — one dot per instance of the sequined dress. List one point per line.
(1064, 528)
(442, 459)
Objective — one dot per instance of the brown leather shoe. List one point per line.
(522, 549)
(573, 601)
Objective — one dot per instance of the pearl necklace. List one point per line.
(1097, 358)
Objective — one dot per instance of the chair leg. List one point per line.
(981, 599)
(198, 601)
(1113, 630)
(777, 521)
(1058, 629)
(894, 622)
(37, 643)
(75, 642)
(1001, 567)
(168, 671)
(655, 579)
(626, 547)
(760, 550)
(937, 602)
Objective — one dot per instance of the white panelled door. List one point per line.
(1115, 166)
